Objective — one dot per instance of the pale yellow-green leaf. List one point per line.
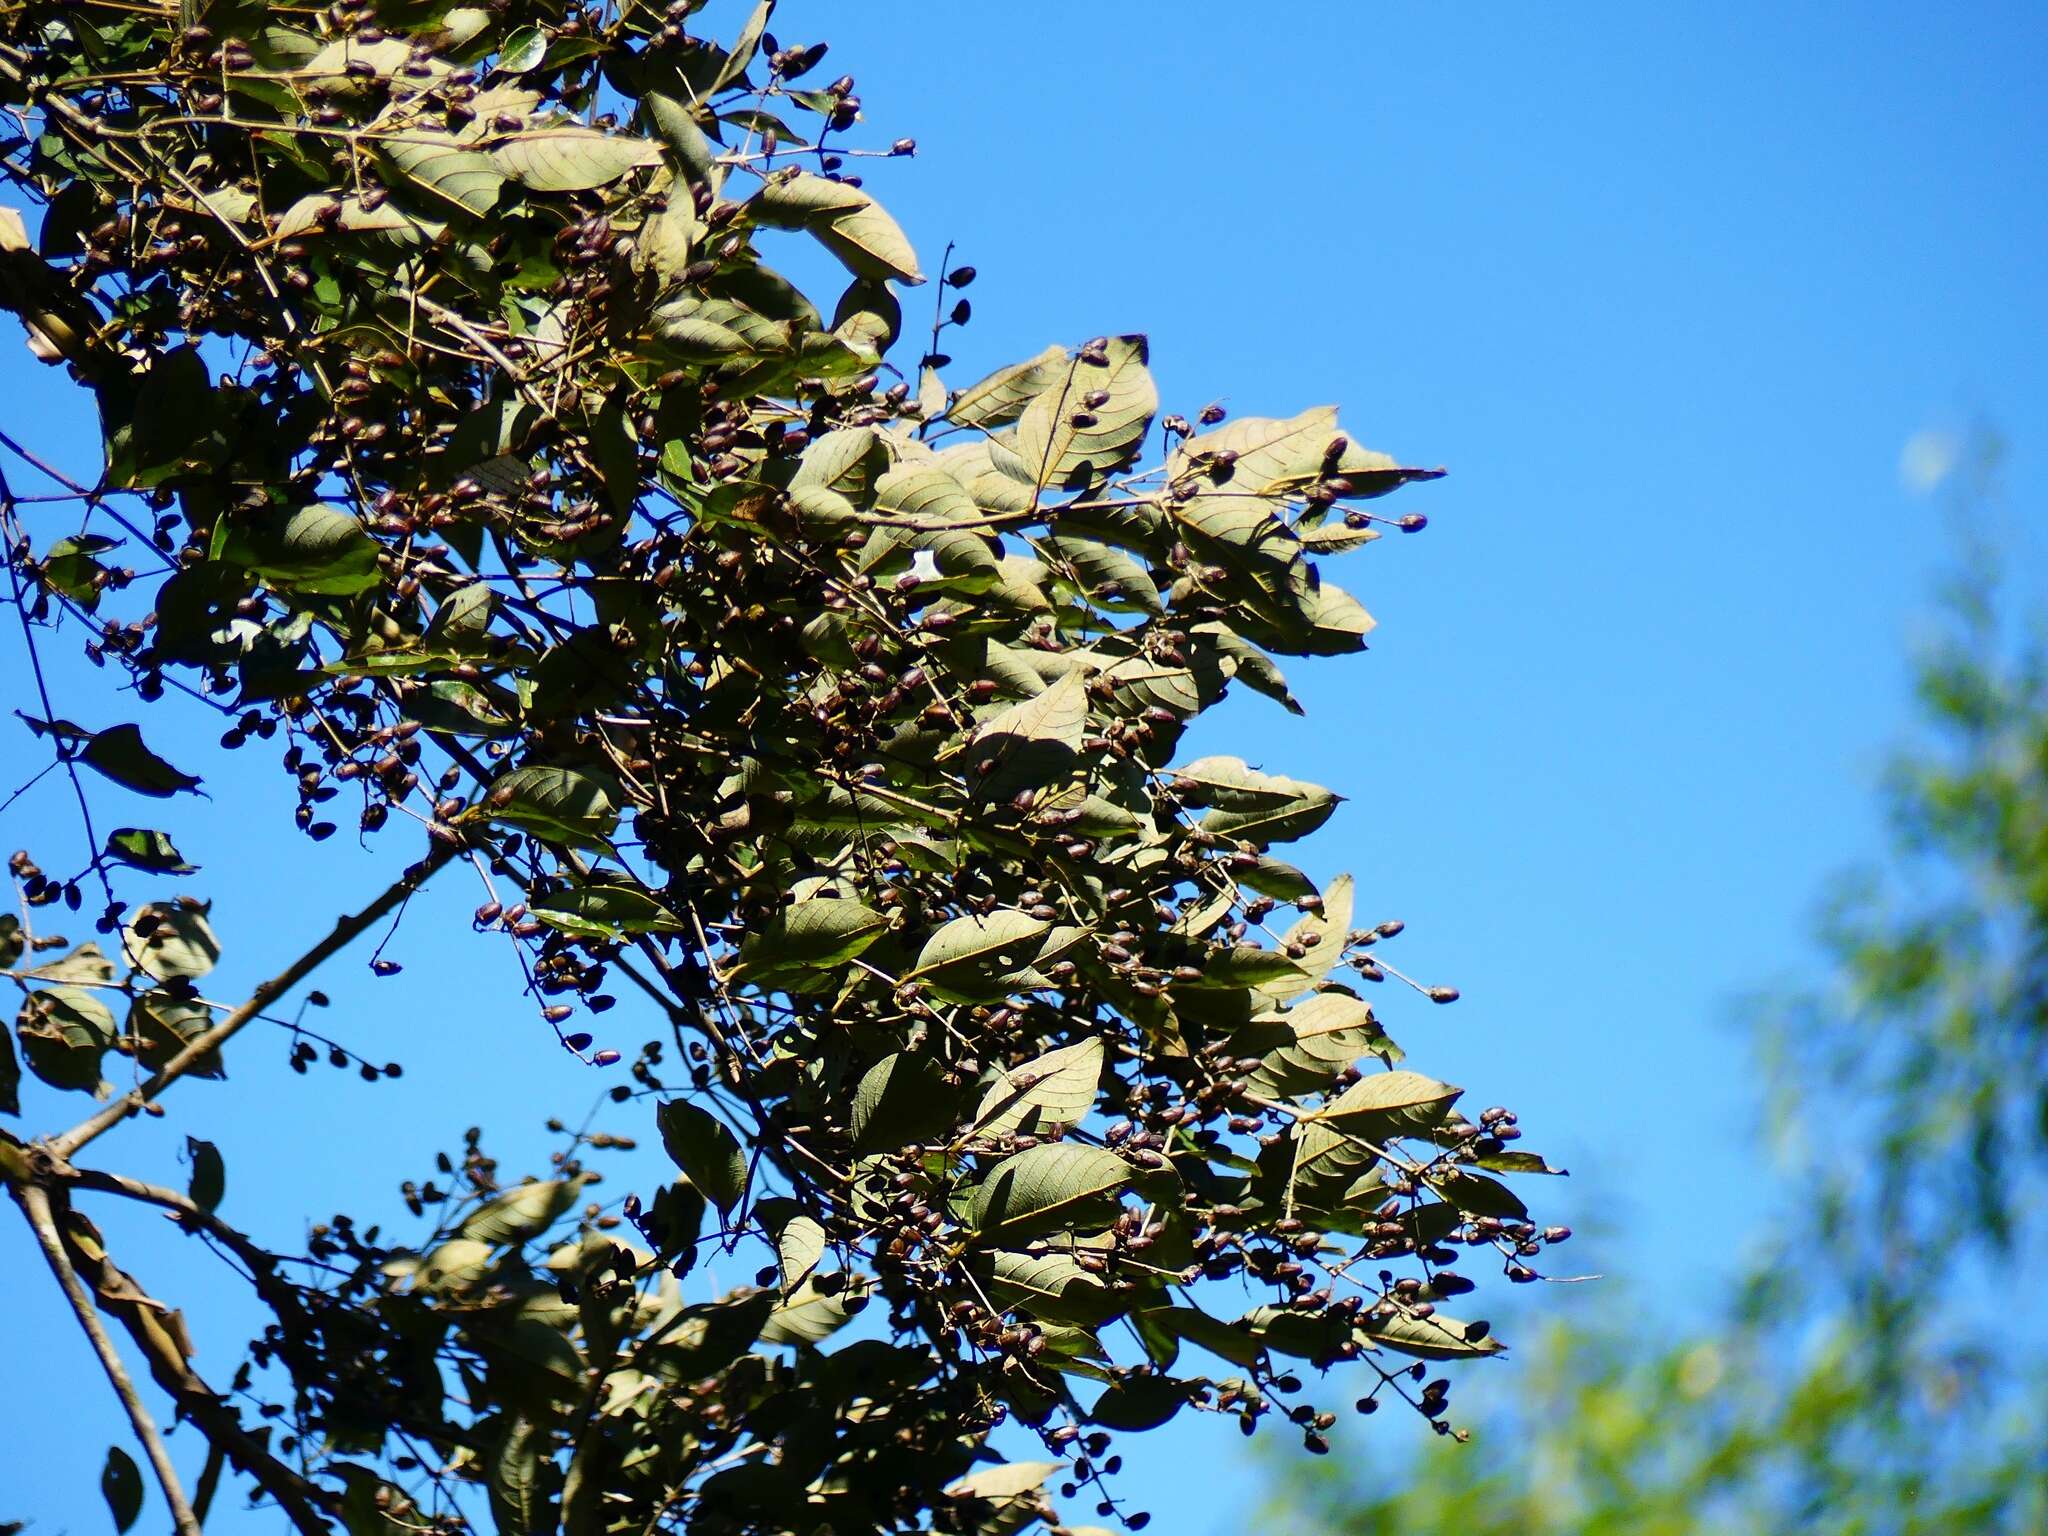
(1057, 1088)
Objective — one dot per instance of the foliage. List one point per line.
(1872, 1374)
(474, 457)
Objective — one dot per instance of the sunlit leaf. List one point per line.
(975, 958)
(1068, 439)
(568, 158)
(1057, 1088)
(1053, 1187)
(141, 848)
(845, 220)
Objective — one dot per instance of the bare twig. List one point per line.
(345, 932)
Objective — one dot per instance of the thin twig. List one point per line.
(203, 1046)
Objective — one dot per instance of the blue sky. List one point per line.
(1667, 288)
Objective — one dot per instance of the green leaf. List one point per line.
(140, 848)
(975, 959)
(1004, 394)
(70, 568)
(1321, 935)
(121, 1483)
(679, 131)
(900, 1099)
(1379, 1108)
(1032, 743)
(1332, 624)
(1273, 456)
(442, 166)
(462, 623)
(1231, 784)
(520, 1213)
(744, 45)
(1519, 1162)
(1476, 1194)
(706, 1150)
(209, 1182)
(318, 213)
(561, 805)
(1057, 1186)
(1227, 1341)
(674, 1220)
(927, 493)
(1312, 1336)
(1068, 444)
(170, 941)
(850, 461)
(1057, 1088)
(1270, 877)
(1139, 1403)
(1051, 1286)
(570, 158)
(118, 753)
(1256, 807)
(1387, 1104)
(162, 1026)
(487, 441)
(1318, 1038)
(807, 1315)
(815, 935)
(604, 911)
(523, 50)
(83, 966)
(64, 1032)
(1431, 1338)
(10, 1076)
(868, 317)
(1057, 717)
(1109, 576)
(1244, 662)
(845, 220)
(967, 558)
(1000, 1484)
(173, 428)
(1247, 965)
(318, 549)
(521, 1479)
(714, 330)
(799, 1245)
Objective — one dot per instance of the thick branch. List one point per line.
(188, 1211)
(35, 1206)
(32, 1175)
(345, 932)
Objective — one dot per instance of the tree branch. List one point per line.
(345, 932)
(31, 1174)
(34, 1201)
(188, 1212)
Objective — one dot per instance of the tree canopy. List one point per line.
(463, 452)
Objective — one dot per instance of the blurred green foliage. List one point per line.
(1880, 1368)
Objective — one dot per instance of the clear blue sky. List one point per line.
(1667, 288)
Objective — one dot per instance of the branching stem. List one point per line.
(35, 1206)
(346, 931)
